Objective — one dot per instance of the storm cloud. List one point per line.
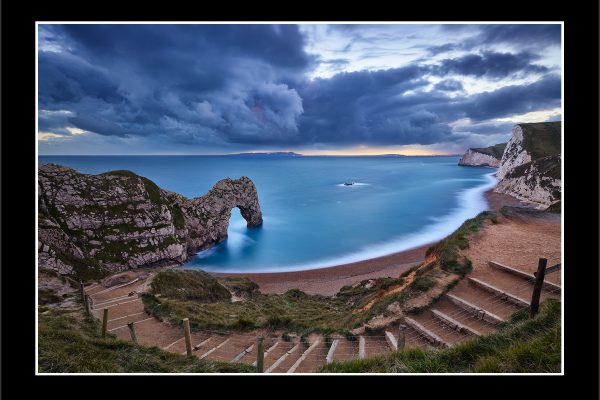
(248, 86)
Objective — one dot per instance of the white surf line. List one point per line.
(470, 202)
(178, 340)
(125, 326)
(130, 315)
(117, 287)
(118, 304)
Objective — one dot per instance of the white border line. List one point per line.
(562, 48)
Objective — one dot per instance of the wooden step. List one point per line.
(361, 347)
(303, 356)
(391, 339)
(331, 351)
(511, 298)
(281, 359)
(242, 354)
(430, 336)
(454, 324)
(464, 317)
(480, 312)
(217, 347)
(522, 274)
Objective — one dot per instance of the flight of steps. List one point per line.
(481, 301)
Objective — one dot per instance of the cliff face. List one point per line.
(531, 163)
(485, 157)
(474, 158)
(93, 224)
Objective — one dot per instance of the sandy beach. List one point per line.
(328, 281)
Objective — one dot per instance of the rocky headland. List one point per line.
(483, 157)
(528, 165)
(531, 164)
(92, 225)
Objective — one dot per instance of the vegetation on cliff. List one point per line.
(91, 225)
(542, 139)
(494, 151)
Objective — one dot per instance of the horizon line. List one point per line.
(252, 153)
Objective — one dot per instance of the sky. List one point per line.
(309, 88)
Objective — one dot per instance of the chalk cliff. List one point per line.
(485, 157)
(90, 225)
(530, 168)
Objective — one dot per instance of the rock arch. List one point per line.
(207, 217)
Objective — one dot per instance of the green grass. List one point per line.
(70, 343)
(495, 151)
(522, 345)
(554, 208)
(46, 296)
(542, 139)
(293, 311)
(546, 166)
(422, 283)
(240, 285)
(189, 285)
(448, 249)
(178, 219)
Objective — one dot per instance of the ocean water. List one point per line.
(311, 220)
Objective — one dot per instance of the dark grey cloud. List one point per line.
(538, 35)
(240, 86)
(525, 35)
(517, 99)
(492, 64)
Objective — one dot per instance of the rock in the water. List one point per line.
(530, 169)
(94, 224)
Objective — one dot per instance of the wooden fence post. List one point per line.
(84, 298)
(537, 287)
(104, 322)
(260, 354)
(402, 337)
(188, 337)
(132, 332)
(88, 304)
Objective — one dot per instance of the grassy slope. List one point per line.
(177, 295)
(70, 343)
(542, 139)
(294, 310)
(495, 151)
(520, 346)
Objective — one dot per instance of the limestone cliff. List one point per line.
(485, 157)
(90, 225)
(530, 168)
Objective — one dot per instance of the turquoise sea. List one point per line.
(311, 219)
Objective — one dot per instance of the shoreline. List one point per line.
(329, 280)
